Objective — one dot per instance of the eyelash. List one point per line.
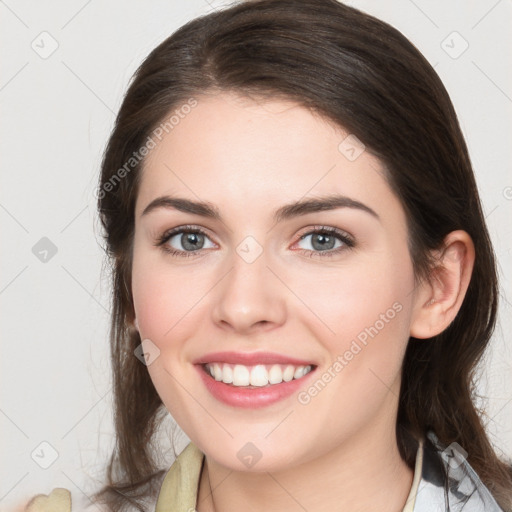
(348, 242)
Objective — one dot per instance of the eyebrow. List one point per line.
(295, 209)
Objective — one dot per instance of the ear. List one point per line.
(438, 299)
(136, 324)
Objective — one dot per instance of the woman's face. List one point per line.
(251, 277)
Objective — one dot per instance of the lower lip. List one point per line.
(251, 398)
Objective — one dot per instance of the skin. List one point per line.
(248, 158)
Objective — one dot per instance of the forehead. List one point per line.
(233, 150)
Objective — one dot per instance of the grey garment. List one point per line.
(449, 483)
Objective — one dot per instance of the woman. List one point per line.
(302, 273)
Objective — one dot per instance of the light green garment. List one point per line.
(180, 486)
(179, 489)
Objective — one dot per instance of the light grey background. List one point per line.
(56, 115)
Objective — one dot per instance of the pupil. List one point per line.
(322, 242)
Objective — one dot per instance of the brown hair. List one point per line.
(367, 77)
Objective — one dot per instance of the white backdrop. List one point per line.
(64, 71)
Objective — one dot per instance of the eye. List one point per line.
(326, 241)
(322, 241)
(184, 241)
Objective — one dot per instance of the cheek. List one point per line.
(168, 300)
(364, 311)
(164, 305)
(348, 299)
(149, 299)
(154, 295)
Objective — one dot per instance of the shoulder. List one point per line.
(180, 485)
(61, 500)
(448, 482)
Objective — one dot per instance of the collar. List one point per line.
(180, 485)
(443, 481)
(449, 483)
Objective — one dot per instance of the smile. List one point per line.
(259, 375)
(253, 386)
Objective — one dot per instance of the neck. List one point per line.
(363, 473)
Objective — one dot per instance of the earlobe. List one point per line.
(136, 324)
(438, 299)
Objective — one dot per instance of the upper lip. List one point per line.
(250, 358)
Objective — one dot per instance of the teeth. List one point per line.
(288, 373)
(299, 372)
(258, 376)
(217, 372)
(227, 374)
(241, 375)
(275, 375)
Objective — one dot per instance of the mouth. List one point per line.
(255, 376)
(253, 379)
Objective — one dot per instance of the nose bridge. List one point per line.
(248, 294)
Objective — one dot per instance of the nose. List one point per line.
(250, 298)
